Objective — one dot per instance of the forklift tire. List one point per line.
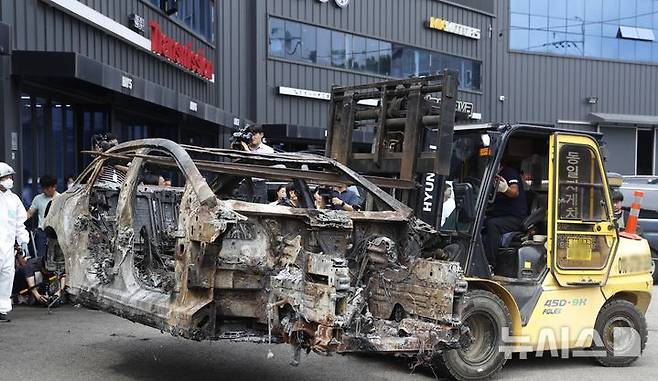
(620, 313)
(485, 314)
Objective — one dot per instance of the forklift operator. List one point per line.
(508, 211)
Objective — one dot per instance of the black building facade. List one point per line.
(71, 68)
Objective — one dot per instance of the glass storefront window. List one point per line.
(588, 28)
(308, 43)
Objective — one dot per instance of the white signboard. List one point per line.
(304, 93)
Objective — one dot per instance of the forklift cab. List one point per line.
(569, 207)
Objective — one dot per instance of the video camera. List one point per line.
(327, 192)
(243, 135)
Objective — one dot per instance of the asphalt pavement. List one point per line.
(78, 344)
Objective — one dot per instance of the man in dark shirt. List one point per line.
(345, 199)
(509, 210)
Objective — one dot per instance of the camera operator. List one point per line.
(339, 197)
(345, 198)
(251, 139)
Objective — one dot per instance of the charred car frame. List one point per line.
(198, 261)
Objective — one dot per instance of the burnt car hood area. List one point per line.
(198, 260)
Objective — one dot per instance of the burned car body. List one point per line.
(199, 262)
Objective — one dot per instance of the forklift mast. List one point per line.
(400, 114)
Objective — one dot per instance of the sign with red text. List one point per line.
(181, 55)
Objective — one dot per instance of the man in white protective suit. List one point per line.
(12, 230)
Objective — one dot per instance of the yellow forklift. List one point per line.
(567, 281)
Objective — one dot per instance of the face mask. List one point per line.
(7, 183)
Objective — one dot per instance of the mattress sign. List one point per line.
(452, 27)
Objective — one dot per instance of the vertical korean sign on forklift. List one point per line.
(584, 235)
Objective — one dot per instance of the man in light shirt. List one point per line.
(38, 206)
(256, 145)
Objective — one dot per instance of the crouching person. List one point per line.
(37, 283)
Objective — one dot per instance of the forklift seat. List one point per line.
(515, 239)
(519, 256)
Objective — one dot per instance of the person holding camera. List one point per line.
(251, 139)
(345, 198)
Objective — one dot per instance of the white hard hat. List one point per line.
(6, 169)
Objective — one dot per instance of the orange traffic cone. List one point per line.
(631, 224)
